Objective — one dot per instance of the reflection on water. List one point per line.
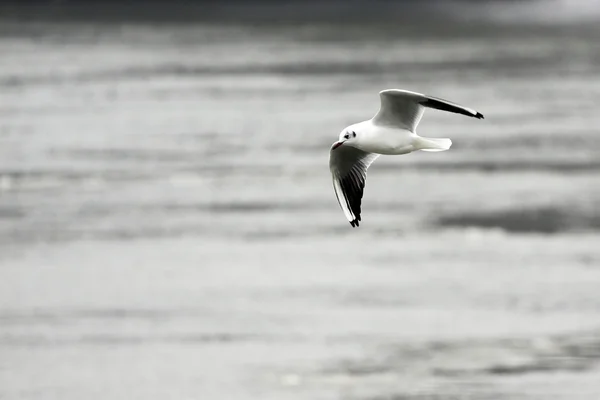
(168, 227)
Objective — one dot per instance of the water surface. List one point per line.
(168, 228)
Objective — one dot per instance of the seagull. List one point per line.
(392, 131)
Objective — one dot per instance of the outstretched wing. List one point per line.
(348, 167)
(404, 108)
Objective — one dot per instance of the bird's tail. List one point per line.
(431, 144)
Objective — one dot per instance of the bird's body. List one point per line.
(392, 131)
(388, 140)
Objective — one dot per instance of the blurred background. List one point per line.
(168, 228)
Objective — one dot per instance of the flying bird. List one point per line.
(391, 131)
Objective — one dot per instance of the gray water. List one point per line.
(168, 228)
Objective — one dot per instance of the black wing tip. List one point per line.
(355, 222)
(445, 105)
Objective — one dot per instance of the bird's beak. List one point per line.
(336, 145)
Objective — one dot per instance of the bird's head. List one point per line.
(347, 137)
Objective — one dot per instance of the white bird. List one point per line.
(391, 131)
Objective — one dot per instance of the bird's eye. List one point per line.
(346, 136)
